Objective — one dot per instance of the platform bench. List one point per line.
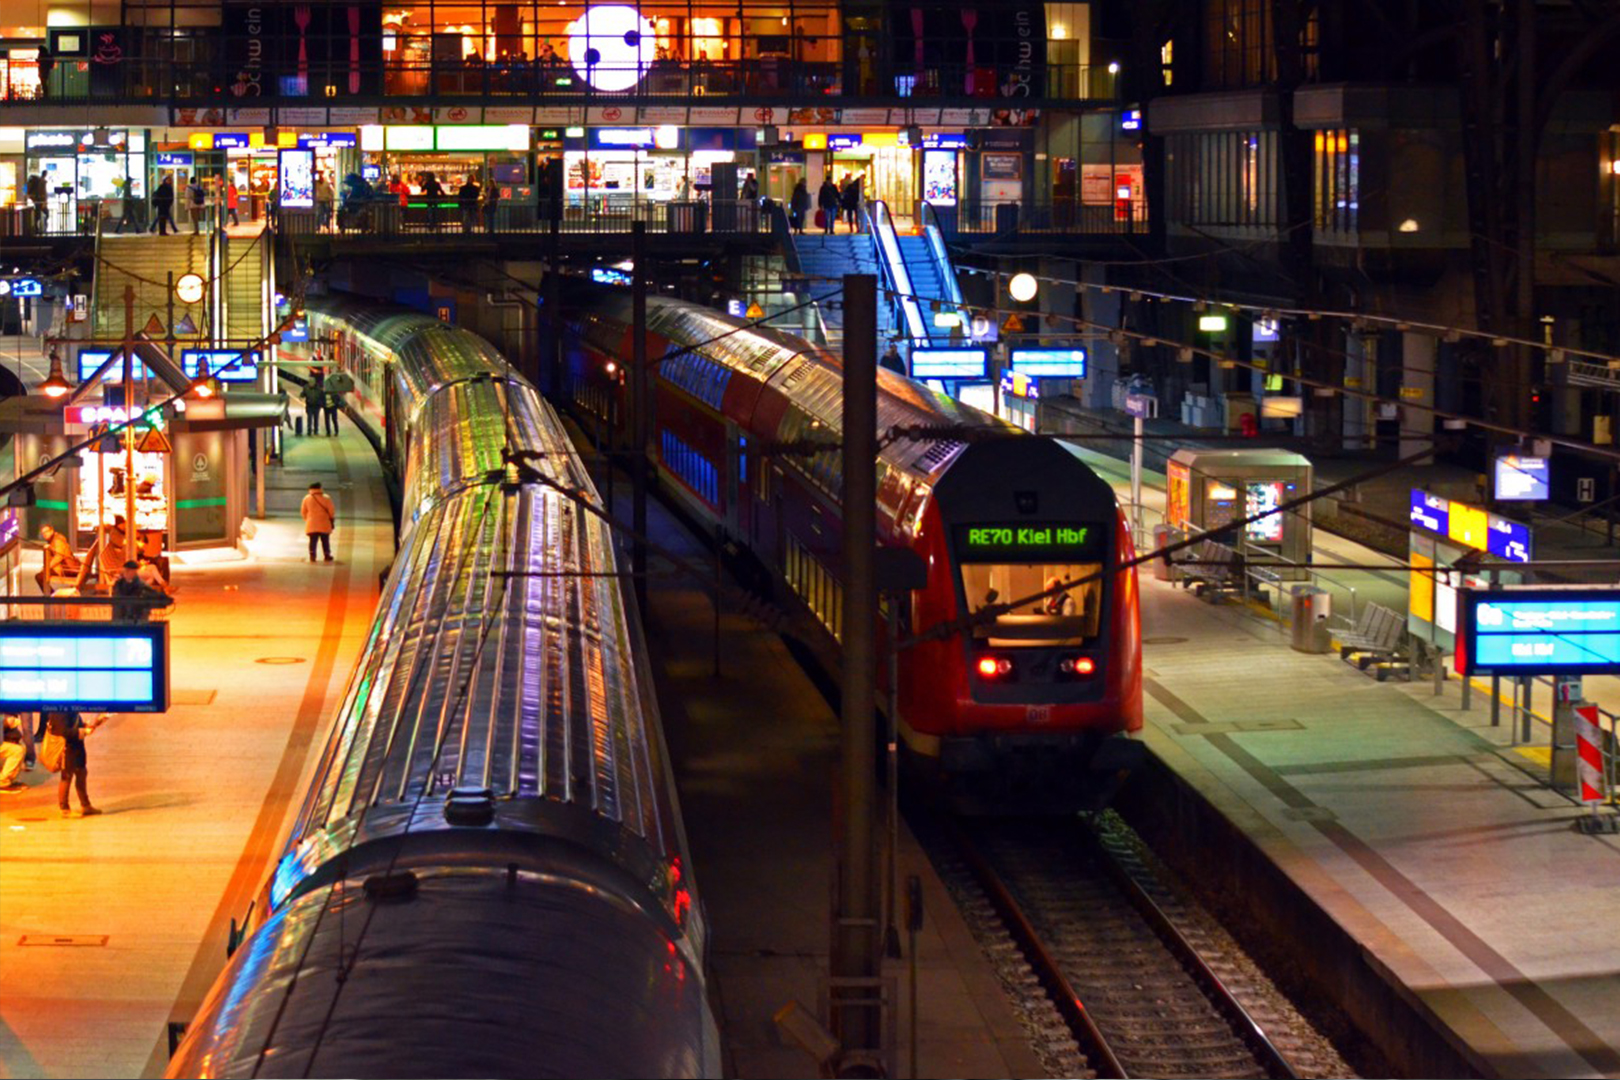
(1376, 642)
(1213, 571)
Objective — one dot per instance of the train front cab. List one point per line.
(1035, 708)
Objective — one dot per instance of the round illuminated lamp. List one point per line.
(612, 46)
(1022, 287)
(188, 289)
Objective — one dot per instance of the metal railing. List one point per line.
(212, 78)
(385, 217)
(1046, 217)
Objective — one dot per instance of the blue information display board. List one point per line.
(1541, 631)
(1050, 363)
(50, 666)
(949, 363)
(223, 364)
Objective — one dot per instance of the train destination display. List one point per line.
(1029, 543)
(84, 666)
(949, 363)
(1541, 631)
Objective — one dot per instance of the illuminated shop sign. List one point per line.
(93, 415)
(1029, 543)
(1471, 526)
(84, 666)
(514, 137)
(665, 137)
(1050, 363)
(50, 140)
(1540, 630)
(412, 137)
(949, 363)
(223, 364)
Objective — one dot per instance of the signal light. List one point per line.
(1077, 665)
(991, 667)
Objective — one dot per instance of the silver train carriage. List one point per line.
(488, 874)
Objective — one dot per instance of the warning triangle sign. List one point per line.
(184, 325)
(153, 327)
(154, 442)
(1013, 325)
(755, 311)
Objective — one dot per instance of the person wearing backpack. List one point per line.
(64, 752)
(197, 195)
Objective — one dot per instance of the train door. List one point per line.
(736, 480)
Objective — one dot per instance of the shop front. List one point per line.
(86, 172)
(452, 154)
(613, 169)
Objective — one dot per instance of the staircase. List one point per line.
(825, 260)
(145, 262)
(246, 311)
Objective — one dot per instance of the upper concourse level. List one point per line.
(798, 55)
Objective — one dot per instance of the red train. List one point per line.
(1030, 711)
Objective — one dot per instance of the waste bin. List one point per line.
(1312, 606)
(1163, 536)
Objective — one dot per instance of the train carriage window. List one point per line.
(1065, 619)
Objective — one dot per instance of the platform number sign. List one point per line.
(1586, 489)
(445, 312)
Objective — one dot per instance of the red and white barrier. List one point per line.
(1588, 754)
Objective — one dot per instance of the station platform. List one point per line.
(112, 926)
(754, 752)
(1398, 853)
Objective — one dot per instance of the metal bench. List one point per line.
(1376, 642)
(1213, 570)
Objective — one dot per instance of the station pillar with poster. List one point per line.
(1443, 534)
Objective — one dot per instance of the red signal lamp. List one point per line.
(1077, 665)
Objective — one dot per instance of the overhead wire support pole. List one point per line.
(641, 409)
(856, 992)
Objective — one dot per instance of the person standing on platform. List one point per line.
(331, 402)
(71, 728)
(163, 208)
(799, 206)
(433, 192)
(827, 203)
(197, 195)
(467, 198)
(892, 359)
(232, 198)
(16, 751)
(38, 199)
(320, 517)
(850, 199)
(324, 198)
(314, 402)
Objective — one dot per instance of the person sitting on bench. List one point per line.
(59, 560)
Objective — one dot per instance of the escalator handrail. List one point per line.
(889, 246)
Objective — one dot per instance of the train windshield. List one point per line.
(1068, 618)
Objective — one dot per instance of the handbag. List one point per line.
(821, 219)
(53, 752)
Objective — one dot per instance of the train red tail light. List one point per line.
(1078, 666)
(994, 667)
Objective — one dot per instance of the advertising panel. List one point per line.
(296, 179)
(1263, 498)
(939, 177)
(1523, 479)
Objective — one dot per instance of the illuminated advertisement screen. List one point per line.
(1026, 543)
(1542, 631)
(1264, 498)
(1524, 479)
(939, 177)
(84, 666)
(1050, 363)
(949, 363)
(1178, 494)
(408, 138)
(245, 370)
(296, 179)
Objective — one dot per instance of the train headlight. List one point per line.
(994, 667)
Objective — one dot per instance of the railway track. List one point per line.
(1143, 986)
